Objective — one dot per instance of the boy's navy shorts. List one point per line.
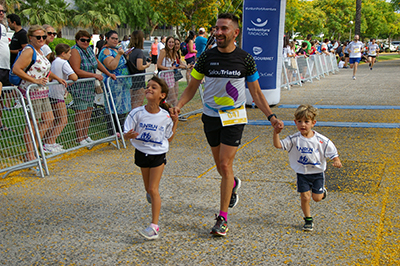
(314, 182)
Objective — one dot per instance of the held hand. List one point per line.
(42, 81)
(277, 130)
(174, 116)
(277, 124)
(113, 76)
(131, 134)
(174, 111)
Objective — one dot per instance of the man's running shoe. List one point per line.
(235, 197)
(369, 64)
(325, 193)
(220, 228)
(149, 233)
(354, 77)
(308, 225)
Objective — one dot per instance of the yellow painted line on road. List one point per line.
(244, 145)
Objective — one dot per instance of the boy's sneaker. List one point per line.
(354, 77)
(149, 233)
(220, 228)
(88, 139)
(325, 193)
(309, 225)
(148, 197)
(235, 197)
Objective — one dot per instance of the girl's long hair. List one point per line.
(164, 89)
(168, 52)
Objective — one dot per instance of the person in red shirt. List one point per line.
(154, 52)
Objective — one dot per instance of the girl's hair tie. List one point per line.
(163, 101)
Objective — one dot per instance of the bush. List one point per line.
(61, 40)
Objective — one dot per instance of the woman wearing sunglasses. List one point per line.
(84, 63)
(112, 58)
(38, 73)
(51, 34)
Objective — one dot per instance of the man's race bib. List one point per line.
(233, 117)
(356, 50)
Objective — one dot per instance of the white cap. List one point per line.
(202, 30)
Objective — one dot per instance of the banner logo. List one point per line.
(257, 50)
(259, 23)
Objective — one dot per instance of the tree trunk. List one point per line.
(357, 29)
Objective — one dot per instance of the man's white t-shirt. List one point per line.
(61, 68)
(4, 49)
(355, 49)
(154, 130)
(160, 46)
(308, 155)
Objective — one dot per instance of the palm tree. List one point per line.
(357, 29)
(11, 5)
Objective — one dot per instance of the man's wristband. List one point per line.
(270, 116)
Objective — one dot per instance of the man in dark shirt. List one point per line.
(100, 44)
(19, 39)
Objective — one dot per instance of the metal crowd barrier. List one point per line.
(16, 132)
(195, 106)
(300, 69)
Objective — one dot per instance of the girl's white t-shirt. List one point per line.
(62, 69)
(154, 130)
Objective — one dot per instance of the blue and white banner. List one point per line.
(262, 37)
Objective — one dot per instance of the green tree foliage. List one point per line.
(96, 14)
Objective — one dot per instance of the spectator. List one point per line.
(167, 61)
(125, 43)
(201, 42)
(4, 66)
(287, 57)
(51, 34)
(302, 50)
(324, 47)
(190, 57)
(57, 94)
(84, 63)
(19, 39)
(99, 44)
(39, 73)
(308, 42)
(211, 38)
(160, 45)
(154, 52)
(113, 59)
(346, 53)
(341, 62)
(138, 59)
(172, 98)
(313, 49)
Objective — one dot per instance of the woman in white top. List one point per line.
(167, 61)
(39, 73)
(51, 34)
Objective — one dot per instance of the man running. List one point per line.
(226, 68)
(355, 49)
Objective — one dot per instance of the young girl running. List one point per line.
(62, 69)
(150, 128)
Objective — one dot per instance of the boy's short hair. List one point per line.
(306, 111)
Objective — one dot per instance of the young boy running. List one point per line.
(308, 151)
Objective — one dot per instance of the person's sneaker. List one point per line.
(308, 225)
(354, 77)
(235, 197)
(83, 142)
(51, 148)
(88, 139)
(325, 193)
(149, 233)
(58, 145)
(17, 104)
(148, 197)
(369, 65)
(370, 68)
(36, 171)
(220, 228)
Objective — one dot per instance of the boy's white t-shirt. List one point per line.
(62, 69)
(308, 155)
(154, 130)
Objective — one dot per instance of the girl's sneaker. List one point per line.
(149, 233)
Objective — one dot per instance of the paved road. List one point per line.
(87, 212)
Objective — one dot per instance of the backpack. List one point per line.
(184, 48)
(14, 79)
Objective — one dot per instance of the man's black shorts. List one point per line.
(217, 134)
(148, 160)
(4, 73)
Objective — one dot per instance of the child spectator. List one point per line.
(150, 128)
(341, 62)
(307, 152)
(57, 93)
(302, 50)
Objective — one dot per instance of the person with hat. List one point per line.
(201, 41)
